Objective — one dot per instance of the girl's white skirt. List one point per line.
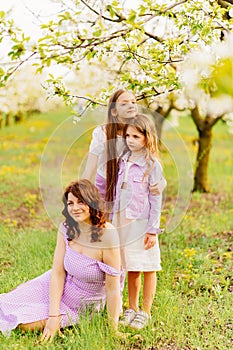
(132, 234)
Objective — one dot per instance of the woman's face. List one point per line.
(78, 210)
(126, 107)
(135, 140)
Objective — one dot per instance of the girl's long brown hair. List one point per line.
(87, 193)
(112, 127)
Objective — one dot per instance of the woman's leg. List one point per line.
(134, 285)
(149, 289)
(38, 325)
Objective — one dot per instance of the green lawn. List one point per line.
(193, 304)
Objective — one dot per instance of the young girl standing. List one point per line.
(137, 216)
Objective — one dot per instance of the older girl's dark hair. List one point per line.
(112, 128)
(87, 193)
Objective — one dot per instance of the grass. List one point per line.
(193, 303)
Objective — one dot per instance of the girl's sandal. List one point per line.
(128, 317)
(141, 320)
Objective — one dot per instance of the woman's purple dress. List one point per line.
(84, 286)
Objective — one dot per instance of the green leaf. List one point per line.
(132, 17)
(97, 33)
(1, 72)
(90, 55)
(110, 10)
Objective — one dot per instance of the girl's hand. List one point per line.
(154, 189)
(149, 240)
(51, 328)
(158, 188)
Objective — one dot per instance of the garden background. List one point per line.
(193, 303)
(177, 57)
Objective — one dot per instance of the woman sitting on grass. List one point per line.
(85, 272)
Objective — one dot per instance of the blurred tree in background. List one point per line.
(144, 49)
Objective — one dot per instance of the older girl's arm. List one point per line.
(91, 166)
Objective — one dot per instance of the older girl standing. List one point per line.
(107, 145)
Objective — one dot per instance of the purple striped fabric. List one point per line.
(84, 287)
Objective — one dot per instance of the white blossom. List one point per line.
(196, 76)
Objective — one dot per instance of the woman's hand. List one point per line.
(51, 328)
(149, 240)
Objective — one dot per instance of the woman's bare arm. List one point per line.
(111, 256)
(55, 290)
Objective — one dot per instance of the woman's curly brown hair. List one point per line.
(87, 193)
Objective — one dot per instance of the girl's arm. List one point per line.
(153, 221)
(57, 281)
(91, 166)
(155, 201)
(97, 147)
(154, 214)
(157, 180)
(157, 188)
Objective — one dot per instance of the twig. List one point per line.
(120, 18)
(22, 62)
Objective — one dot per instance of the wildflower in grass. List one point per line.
(39, 124)
(189, 253)
(30, 200)
(228, 255)
(10, 223)
(33, 158)
(5, 145)
(6, 170)
(32, 212)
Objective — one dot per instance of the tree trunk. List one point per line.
(202, 161)
(18, 117)
(159, 120)
(204, 127)
(7, 119)
(159, 115)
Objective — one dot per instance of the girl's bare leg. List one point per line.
(134, 285)
(149, 289)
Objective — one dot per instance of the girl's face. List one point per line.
(126, 107)
(135, 140)
(78, 210)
